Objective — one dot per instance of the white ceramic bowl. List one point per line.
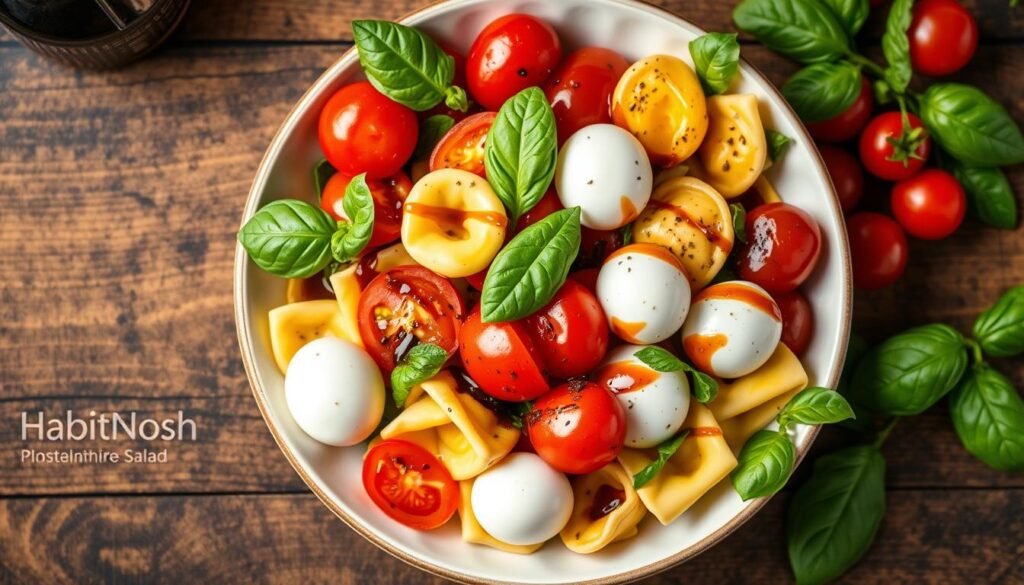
(635, 30)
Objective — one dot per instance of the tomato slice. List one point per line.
(502, 358)
(409, 484)
(405, 306)
(463, 146)
(388, 194)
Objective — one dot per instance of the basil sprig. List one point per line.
(834, 516)
(705, 388)
(666, 450)
(289, 238)
(432, 130)
(716, 58)
(804, 30)
(765, 463)
(1000, 330)
(852, 14)
(521, 151)
(422, 362)
(351, 238)
(822, 91)
(911, 371)
(988, 415)
(407, 65)
(531, 268)
(971, 126)
(896, 46)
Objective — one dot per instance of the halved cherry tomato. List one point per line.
(797, 320)
(943, 37)
(930, 205)
(571, 331)
(578, 427)
(388, 196)
(580, 90)
(409, 484)
(890, 154)
(463, 146)
(878, 250)
(783, 244)
(512, 53)
(362, 131)
(502, 358)
(846, 174)
(846, 125)
(405, 306)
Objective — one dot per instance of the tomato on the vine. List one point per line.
(502, 358)
(943, 37)
(571, 331)
(930, 205)
(578, 427)
(462, 147)
(409, 484)
(891, 154)
(847, 124)
(783, 244)
(388, 197)
(580, 90)
(512, 53)
(797, 320)
(878, 250)
(846, 174)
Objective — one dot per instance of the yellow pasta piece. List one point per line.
(766, 190)
(738, 429)
(702, 461)
(780, 375)
(609, 486)
(474, 533)
(296, 324)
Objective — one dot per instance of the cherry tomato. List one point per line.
(587, 277)
(930, 205)
(846, 125)
(502, 358)
(846, 174)
(405, 306)
(596, 245)
(578, 427)
(512, 53)
(878, 250)
(783, 244)
(797, 320)
(886, 160)
(409, 484)
(571, 331)
(943, 37)
(580, 90)
(388, 196)
(362, 131)
(463, 146)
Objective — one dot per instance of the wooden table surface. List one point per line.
(121, 194)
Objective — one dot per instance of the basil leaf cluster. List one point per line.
(803, 30)
(289, 238)
(716, 58)
(1000, 330)
(823, 90)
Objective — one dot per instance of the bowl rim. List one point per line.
(242, 322)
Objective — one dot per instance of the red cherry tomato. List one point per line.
(388, 196)
(578, 427)
(846, 125)
(405, 306)
(463, 146)
(596, 245)
(409, 484)
(797, 320)
(580, 90)
(783, 243)
(878, 250)
(943, 37)
(877, 152)
(512, 53)
(846, 174)
(362, 131)
(587, 277)
(571, 331)
(930, 205)
(502, 358)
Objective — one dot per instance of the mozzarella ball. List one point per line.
(732, 330)
(522, 500)
(645, 293)
(334, 391)
(605, 171)
(656, 403)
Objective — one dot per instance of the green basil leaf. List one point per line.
(765, 463)
(815, 406)
(855, 352)
(739, 221)
(852, 14)
(896, 46)
(911, 371)
(988, 414)
(531, 268)
(1000, 329)
(405, 64)
(705, 388)
(778, 144)
(716, 57)
(422, 362)
(803, 30)
(432, 130)
(971, 126)
(834, 516)
(521, 151)
(351, 238)
(665, 452)
(990, 197)
(322, 172)
(823, 91)
(289, 238)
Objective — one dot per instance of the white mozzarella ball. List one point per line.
(645, 293)
(732, 330)
(656, 403)
(605, 171)
(522, 500)
(334, 391)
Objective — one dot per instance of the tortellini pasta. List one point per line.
(296, 324)
(606, 509)
(734, 153)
